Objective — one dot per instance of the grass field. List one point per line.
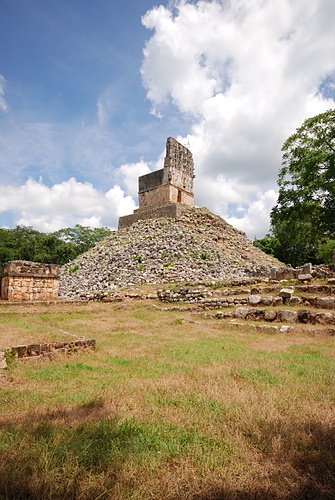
(170, 405)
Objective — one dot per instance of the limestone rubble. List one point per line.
(196, 248)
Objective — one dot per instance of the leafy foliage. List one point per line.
(305, 211)
(82, 237)
(60, 247)
(269, 244)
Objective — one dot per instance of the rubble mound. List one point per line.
(198, 247)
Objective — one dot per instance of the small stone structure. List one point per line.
(46, 349)
(24, 280)
(49, 348)
(162, 193)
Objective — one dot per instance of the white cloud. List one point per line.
(254, 220)
(248, 72)
(3, 103)
(64, 204)
(127, 175)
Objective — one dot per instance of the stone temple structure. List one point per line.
(163, 192)
(24, 280)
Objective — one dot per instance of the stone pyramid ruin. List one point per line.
(167, 239)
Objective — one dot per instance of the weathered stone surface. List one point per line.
(304, 277)
(282, 273)
(163, 251)
(325, 318)
(160, 190)
(293, 301)
(270, 315)
(277, 301)
(254, 300)
(288, 316)
(241, 312)
(24, 280)
(307, 268)
(286, 292)
(325, 302)
(44, 349)
(267, 300)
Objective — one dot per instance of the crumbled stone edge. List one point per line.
(26, 351)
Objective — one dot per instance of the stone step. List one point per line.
(285, 315)
(266, 328)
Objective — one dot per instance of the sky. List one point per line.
(90, 91)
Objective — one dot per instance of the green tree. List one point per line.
(305, 211)
(269, 244)
(82, 237)
(60, 247)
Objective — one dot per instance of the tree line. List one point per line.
(59, 247)
(303, 220)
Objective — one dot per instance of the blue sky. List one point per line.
(90, 90)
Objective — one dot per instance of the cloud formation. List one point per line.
(64, 204)
(247, 72)
(239, 75)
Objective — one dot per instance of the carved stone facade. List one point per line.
(24, 280)
(161, 191)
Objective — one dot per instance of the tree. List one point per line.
(82, 237)
(304, 215)
(269, 244)
(60, 247)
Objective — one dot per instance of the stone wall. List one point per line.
(171, 185)
(47, 348)
(178, 166)
(24, 280)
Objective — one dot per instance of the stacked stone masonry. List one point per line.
(161, 191)
(48, 348)
(24, 280)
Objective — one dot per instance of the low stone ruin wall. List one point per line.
(49, 348)
(24, 280)
(285, 315)
(170, 210)
(45, 349)
(303, 273)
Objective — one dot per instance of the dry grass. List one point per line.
(170, 405)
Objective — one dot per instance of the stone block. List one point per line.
(325, 318)
(277, 301)
(20, 351)
(304, 277)
(24, 280)
(241, 312)
(287, 292)
(270, 315)
(325, 302)
(288, 316)
(294, 301)
(267, 300)
(254, 300)
(307, 268)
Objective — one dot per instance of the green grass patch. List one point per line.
(258, 376)
(170, 405)
(62, 372)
